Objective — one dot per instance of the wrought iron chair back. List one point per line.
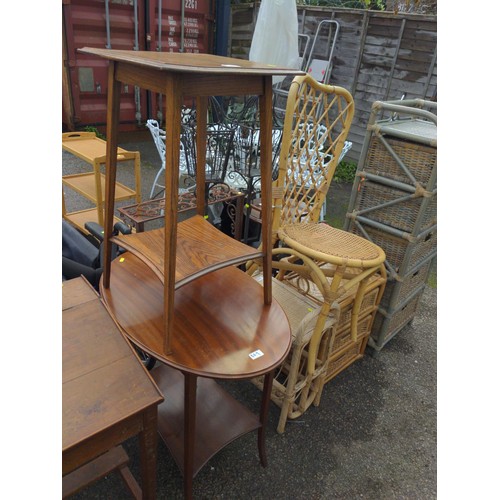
(218, 150)
(244, 165)
(158, 135)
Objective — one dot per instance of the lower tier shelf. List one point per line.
(85, 184)
(201, 248)
(219, 420)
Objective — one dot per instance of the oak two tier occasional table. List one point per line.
(217, 334)
(177, 292)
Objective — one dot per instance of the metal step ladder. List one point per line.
(312, 61)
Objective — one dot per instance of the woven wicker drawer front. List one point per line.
(400, 251)
(385, 327)
(401, 215)
(343, 337)
(368, 303)
(339, 362)
(419, 159)
(396, 292)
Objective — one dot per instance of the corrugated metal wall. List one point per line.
(378, 55)
(181, 25)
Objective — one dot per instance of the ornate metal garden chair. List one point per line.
(158, 135)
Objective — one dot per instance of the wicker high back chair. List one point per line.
(317, 120)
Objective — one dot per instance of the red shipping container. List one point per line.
(186, 25)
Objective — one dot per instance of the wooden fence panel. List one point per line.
(378, 55)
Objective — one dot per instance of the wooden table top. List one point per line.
(103, 381)
(222, 328)
(191, 63)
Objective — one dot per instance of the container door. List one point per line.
(179, 26)
(159, 25)
(114, 24)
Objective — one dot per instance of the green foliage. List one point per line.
(345, 172)
(432, 280)
(90, 128)
(375, 4)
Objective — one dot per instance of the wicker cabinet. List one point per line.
(394, 204)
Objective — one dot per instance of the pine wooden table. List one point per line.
(107, 396)
(92, 185)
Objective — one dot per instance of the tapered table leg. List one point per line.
(190, 382)
(264, 411)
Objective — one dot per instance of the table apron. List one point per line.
(91, 448)
(191, 84)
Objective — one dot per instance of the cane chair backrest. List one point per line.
(317, 120)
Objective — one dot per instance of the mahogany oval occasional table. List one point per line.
(222, 330)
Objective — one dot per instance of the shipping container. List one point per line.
(159, 25)
(179, 26)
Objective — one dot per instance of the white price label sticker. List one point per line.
(256, 354)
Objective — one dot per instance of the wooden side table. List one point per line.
(91, 185)
(107, 395)
(178, 76)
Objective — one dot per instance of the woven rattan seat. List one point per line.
(328, 244)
